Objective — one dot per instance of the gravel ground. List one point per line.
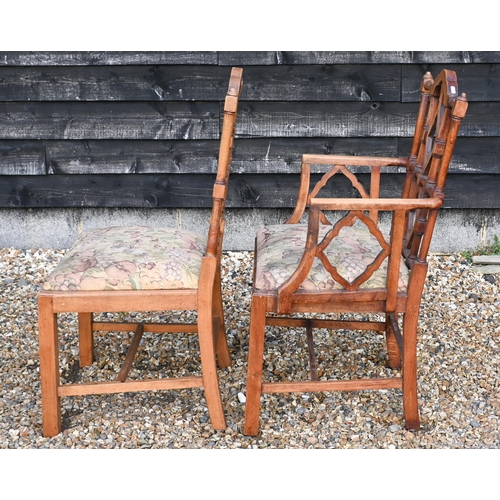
(459, 374)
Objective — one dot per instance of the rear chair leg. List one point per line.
(255, 362)
(410, 400)
(86, 338)
(393, 354)
(209, 370)
(49, 367)
(222, 349)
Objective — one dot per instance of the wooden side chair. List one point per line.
(138, 268)
(352, 266)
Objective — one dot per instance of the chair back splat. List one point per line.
(359, 273)
(143, 270)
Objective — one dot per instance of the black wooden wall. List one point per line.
(141, 129)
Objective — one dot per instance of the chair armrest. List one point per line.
(363, 161)
(361, 204)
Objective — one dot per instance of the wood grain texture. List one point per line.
(119, 120)
(195, 190)
(357, 57)
(200, 120)
(131, 157)
(201, 83)
(481, 82)
(112, 58)
(315, 82)
(352, 119)
(266, 156)
(113, 83)
(160, 113)
(22, 158)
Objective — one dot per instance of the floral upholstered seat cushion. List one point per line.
(130, 258)
(280, 249)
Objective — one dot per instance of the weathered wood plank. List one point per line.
(481, 82)
(195, 191)
(472, 191)
(200, 83)
(120, 120)
(323, 83)
(356, 119)
(472, 155)
(163, 157)
(132, 157)
(357, 57)
(113, 83)
(226, 58)
(284, 155)
(106, 191)
(262, 83)
(329, 119)
(61, 58)
(22, 158)
(265, 155)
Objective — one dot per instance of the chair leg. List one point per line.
(49, 367)
(209, 369)
(393, 354)
(222, 349)
(86, 339)
(255, 361)
(410, 400)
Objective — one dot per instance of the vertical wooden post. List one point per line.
(86, 338)
(410, 324)
(49, 367)
(206, 339)
(222, 349)
(393, 354)
(255, 362)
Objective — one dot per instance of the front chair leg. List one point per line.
(49, 367)
(255, 362)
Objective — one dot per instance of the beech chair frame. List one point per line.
(206, 300)
(412, 224)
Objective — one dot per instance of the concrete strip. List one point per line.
(456, 230)
(486, 259)
(486, 269)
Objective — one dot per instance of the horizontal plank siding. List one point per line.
(271, 155)
(316, 83)
(109, 120)
(244, 58)
(142, 129)
(352, 119)
(481, 82)
(353, 57)
(195, 190)
(113, 83)
(201, 120)
(90, 58)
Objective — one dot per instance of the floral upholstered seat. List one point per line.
(131, 258)
(280, 249)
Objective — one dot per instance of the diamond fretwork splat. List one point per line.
(353, 264)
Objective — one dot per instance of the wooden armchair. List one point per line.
(353, 266)
(139, 268)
